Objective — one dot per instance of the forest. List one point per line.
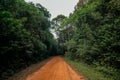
(90, 34)
(25, 37)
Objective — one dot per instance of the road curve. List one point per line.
(55, 69)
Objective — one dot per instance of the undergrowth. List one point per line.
(93, 73)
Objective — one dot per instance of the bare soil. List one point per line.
(54, 69)
(31, 69)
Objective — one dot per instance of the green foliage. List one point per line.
(94, 73)
(24, 35)
(96, 34)
(56, 26)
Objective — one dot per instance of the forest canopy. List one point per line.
(91, 34)
(25, 37)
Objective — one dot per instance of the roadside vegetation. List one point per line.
(93, 72)
(91, 35)
(25, 37)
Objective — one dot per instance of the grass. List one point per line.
(88, 71)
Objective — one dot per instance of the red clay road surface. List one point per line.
(55, 69)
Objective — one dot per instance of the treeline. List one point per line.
(25, 37)
(92, 34)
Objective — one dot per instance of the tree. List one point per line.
(80, 4)
(96, 33)
(24, 35)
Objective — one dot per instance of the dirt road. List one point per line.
(55, 69)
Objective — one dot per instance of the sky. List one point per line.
(56, 7)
